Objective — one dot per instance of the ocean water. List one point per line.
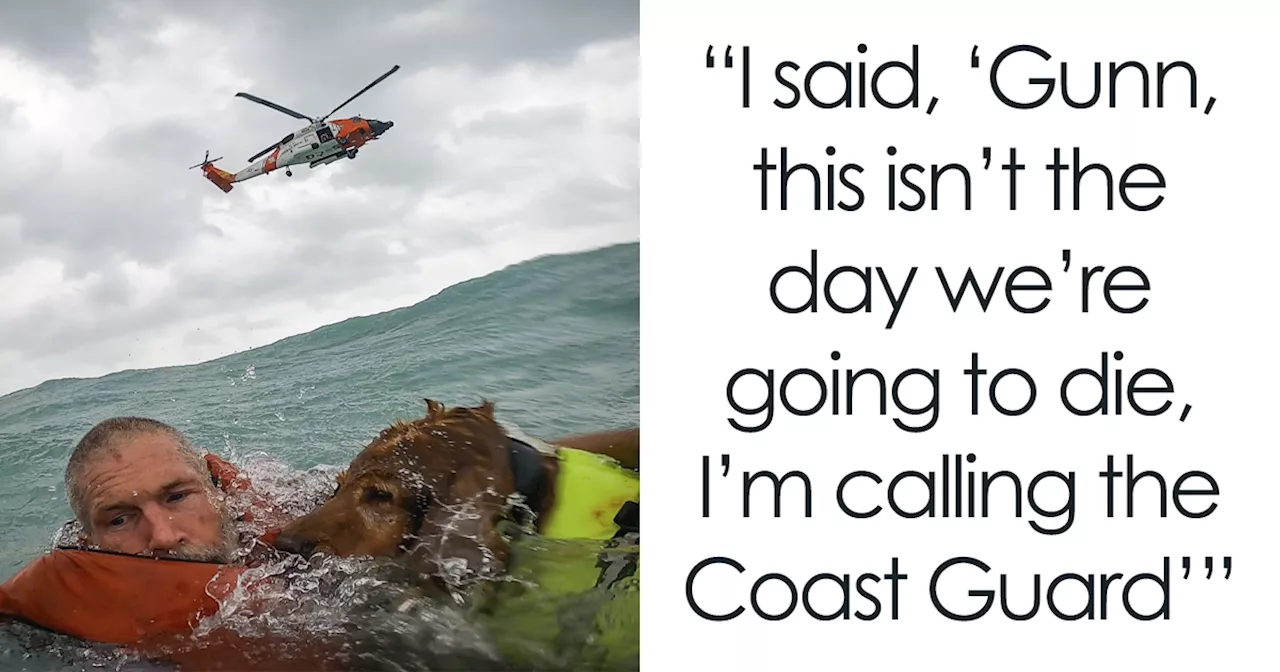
(553, 341)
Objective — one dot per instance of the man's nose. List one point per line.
(165, 535)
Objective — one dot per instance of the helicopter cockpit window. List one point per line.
(287, 139)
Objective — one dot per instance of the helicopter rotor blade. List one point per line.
(259, 155)
(278, 108)
(362, 91)
(206, 161)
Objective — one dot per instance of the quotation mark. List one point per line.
(728, 63)
(1208, 566)
(728, 57)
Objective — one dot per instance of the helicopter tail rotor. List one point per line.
(214, 174)
(207, 161)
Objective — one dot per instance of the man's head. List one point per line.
(137, 486)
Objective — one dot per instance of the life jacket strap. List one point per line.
(527, 472)
(627, 519)
(616, 566)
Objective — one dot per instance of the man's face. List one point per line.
(145, 499)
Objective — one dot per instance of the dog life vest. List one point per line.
(594, 596)
(595, 496)
(148, 604)
(591, 491)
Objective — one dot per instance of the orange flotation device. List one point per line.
(148, 604)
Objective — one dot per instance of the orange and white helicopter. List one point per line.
(316, 144)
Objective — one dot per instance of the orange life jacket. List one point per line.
(147, 604)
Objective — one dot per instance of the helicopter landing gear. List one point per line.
(351, 153)
(288, 172)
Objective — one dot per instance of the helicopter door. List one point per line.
(324, 134)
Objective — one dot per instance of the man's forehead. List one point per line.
(142, 460)
(143, 447)
(121, 490)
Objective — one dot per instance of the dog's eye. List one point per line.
(376, 495)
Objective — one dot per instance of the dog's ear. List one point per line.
(460, 523)
(434, 409)
(463, 526)
(486, 408)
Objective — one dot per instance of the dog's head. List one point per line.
(436, 487)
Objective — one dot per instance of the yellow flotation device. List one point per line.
(575, 598)
(590, 491)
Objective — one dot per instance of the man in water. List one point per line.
(137, 486)
(149, 504)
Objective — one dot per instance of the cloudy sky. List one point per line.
(516, 134)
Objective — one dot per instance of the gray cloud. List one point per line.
(516, 129)
(60, 35)
(502, 124)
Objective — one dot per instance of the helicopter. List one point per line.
(318, 143)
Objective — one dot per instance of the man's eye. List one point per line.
(118, 521)
(177, 496)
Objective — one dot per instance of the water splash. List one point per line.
(250, 373)
(62, 653)
(383, 617)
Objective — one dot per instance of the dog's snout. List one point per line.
(295, 543)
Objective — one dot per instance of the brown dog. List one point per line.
(438, 487)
